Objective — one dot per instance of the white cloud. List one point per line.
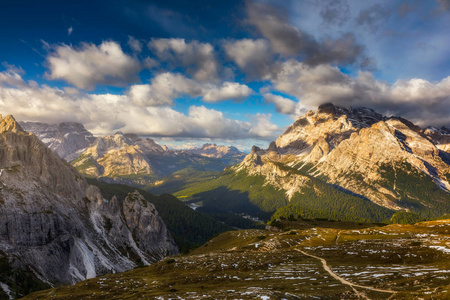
(69, 30)
(12, 77)
(418, 100)
(106, 113)
(227, 91)
(198, 58)
(252, 56)
(165, 87)
(261, 126)
(134, 44)
(282, 105)
(90, 65)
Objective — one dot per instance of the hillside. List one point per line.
(313, 259)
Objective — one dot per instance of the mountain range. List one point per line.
(338, 163)
(128, 158)
(335, 163)
(67, 139)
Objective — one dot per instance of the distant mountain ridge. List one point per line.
(228, 154)
(129, 159)
(67, 139)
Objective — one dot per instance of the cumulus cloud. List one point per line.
(89, 65)
(226, 91)
(289, 40)
(165, 87)
(134, 44)
(198, 58)
(12, 77)
(106, 113)
(282, 105)
(418, 100)
(254, 57)
(262, 127)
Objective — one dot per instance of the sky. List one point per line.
(230, 72)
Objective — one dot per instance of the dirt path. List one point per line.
(342, 280)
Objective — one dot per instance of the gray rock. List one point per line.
(67, 139)
(52, 221)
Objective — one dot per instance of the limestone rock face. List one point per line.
(360, 151)
(330, 123)
(149, 231)
(67, 139)
(53, 222)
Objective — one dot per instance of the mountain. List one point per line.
(56, 229)
(67, 139)
(230, 155)
(129, 159)
(339, 163)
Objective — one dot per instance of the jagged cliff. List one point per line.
(57, 229)
(390, 161)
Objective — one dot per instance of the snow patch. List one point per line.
(6, 289)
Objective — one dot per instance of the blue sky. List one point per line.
(230, 72)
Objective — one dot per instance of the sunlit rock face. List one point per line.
(360, 151)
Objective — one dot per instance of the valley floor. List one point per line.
(304, 262)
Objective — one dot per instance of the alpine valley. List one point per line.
(325, 192)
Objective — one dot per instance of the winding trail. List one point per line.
(342, 280)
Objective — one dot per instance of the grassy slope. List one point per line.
(242, 193)
(255, 263)
(416, 190)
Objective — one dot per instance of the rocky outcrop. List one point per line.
(67, 139)
(361, 152)
(53, 223)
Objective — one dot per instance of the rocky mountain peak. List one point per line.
(255, 149)
(327, 108)
(9, 124)
(329, 122)
(364, 153)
